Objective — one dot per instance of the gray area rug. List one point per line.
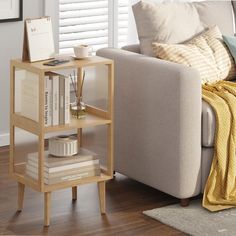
(195, 220)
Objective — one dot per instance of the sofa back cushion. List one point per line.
(218, 13)
(207, 53)
(179, 22)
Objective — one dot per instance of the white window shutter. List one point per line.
(123, 14)
(91, 22)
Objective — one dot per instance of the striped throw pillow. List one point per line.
(206, 52)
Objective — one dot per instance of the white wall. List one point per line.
(11, 41)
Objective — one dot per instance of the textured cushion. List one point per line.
(208, 124)
(179, 22)
(231, 44)
(207, 53)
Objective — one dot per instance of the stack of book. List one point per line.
(57, 98)
(59, 169)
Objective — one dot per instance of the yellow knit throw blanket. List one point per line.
(220, 189)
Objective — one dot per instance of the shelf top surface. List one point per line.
(89, 121)
(73, 63)
(32, 126)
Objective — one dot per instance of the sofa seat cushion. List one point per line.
(206, 161)
(208, 125)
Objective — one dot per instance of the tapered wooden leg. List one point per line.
(74, 193)
(102, 196)
(184, 202)
(21, 192)
(47, 208)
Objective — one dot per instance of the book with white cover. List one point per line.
(67, 101)
(55, 100)
(48, 103)
(51, 161)
(84, 174)
(34, 169)
(68, 166)
(61, 100)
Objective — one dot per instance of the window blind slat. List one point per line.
(77, 1)
(83, 28)
(83, 6)
(83, 13)
(123, 16)
(84, 20)
(84, 35)
(91, 41)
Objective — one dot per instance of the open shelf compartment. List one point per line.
(20, 175)
(91, 119)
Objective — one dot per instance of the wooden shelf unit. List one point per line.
(94, 117)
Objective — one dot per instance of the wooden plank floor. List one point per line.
(126, 199)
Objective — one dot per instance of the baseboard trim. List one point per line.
(4, 139)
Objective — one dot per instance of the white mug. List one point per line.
(81, 51)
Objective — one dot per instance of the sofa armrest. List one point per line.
(132, 48)
(157, 120)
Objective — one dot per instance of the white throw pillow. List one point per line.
(179, 22)
(165, 23)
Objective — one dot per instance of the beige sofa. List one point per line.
(164, 133)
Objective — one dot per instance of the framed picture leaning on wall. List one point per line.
(11, 10)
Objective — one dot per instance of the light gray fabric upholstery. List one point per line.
(132, 48)
(208, 125)
(207, 156)
(179, 22)
(157, 122)
(165, 23)
(208, 116)
(218, 13)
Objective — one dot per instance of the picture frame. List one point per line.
(11, 10)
